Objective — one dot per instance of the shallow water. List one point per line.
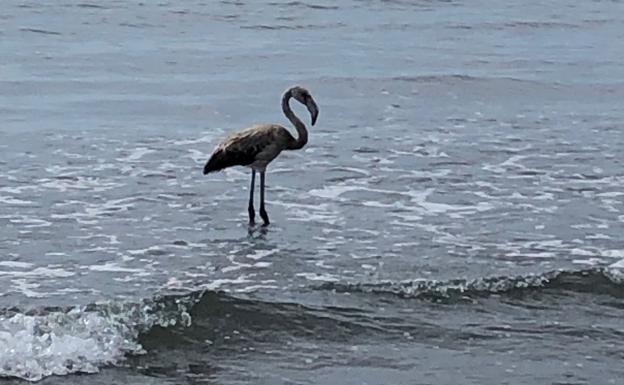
(456, 216)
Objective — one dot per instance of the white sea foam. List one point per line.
(198, 157)
(17, 189)
(617, 253)
(14, 201)
(136, 154)
(80, 339)
(16, 264)
(588, 262)
(419, 198)
(29, 222)
(259, 254)
(58, 343)
(27, 288)
(78, 183)
(252, 288)
(582, 252)
(618, 265)
(114, 268)
(39, 272)
(325, 277)
(202, 139)
(218, 283)
(333, 191)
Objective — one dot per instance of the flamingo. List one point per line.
(257, 146)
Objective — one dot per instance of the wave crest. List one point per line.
(83, 339)
(57, 341)
(597, 281)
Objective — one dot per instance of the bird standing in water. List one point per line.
(257, 146)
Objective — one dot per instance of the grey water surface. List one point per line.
(456, 217)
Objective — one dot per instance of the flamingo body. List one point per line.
(255, 147)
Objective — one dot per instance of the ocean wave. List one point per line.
(272, 27)
(40, 343)
(305, 5)
(455, 78)
(608, 281)
(57, 341)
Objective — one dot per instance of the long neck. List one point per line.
(302, 132)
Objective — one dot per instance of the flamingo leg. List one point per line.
(250, 208)
(263, 212)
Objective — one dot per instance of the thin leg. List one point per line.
(250, 208)
(263, 212)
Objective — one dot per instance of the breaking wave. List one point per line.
(595, 281)
(59, 341)
(82, 339)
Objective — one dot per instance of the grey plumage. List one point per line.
(257, 146)
(249, 148)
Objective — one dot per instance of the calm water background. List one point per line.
(456, 217)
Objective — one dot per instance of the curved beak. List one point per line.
(313, 108)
